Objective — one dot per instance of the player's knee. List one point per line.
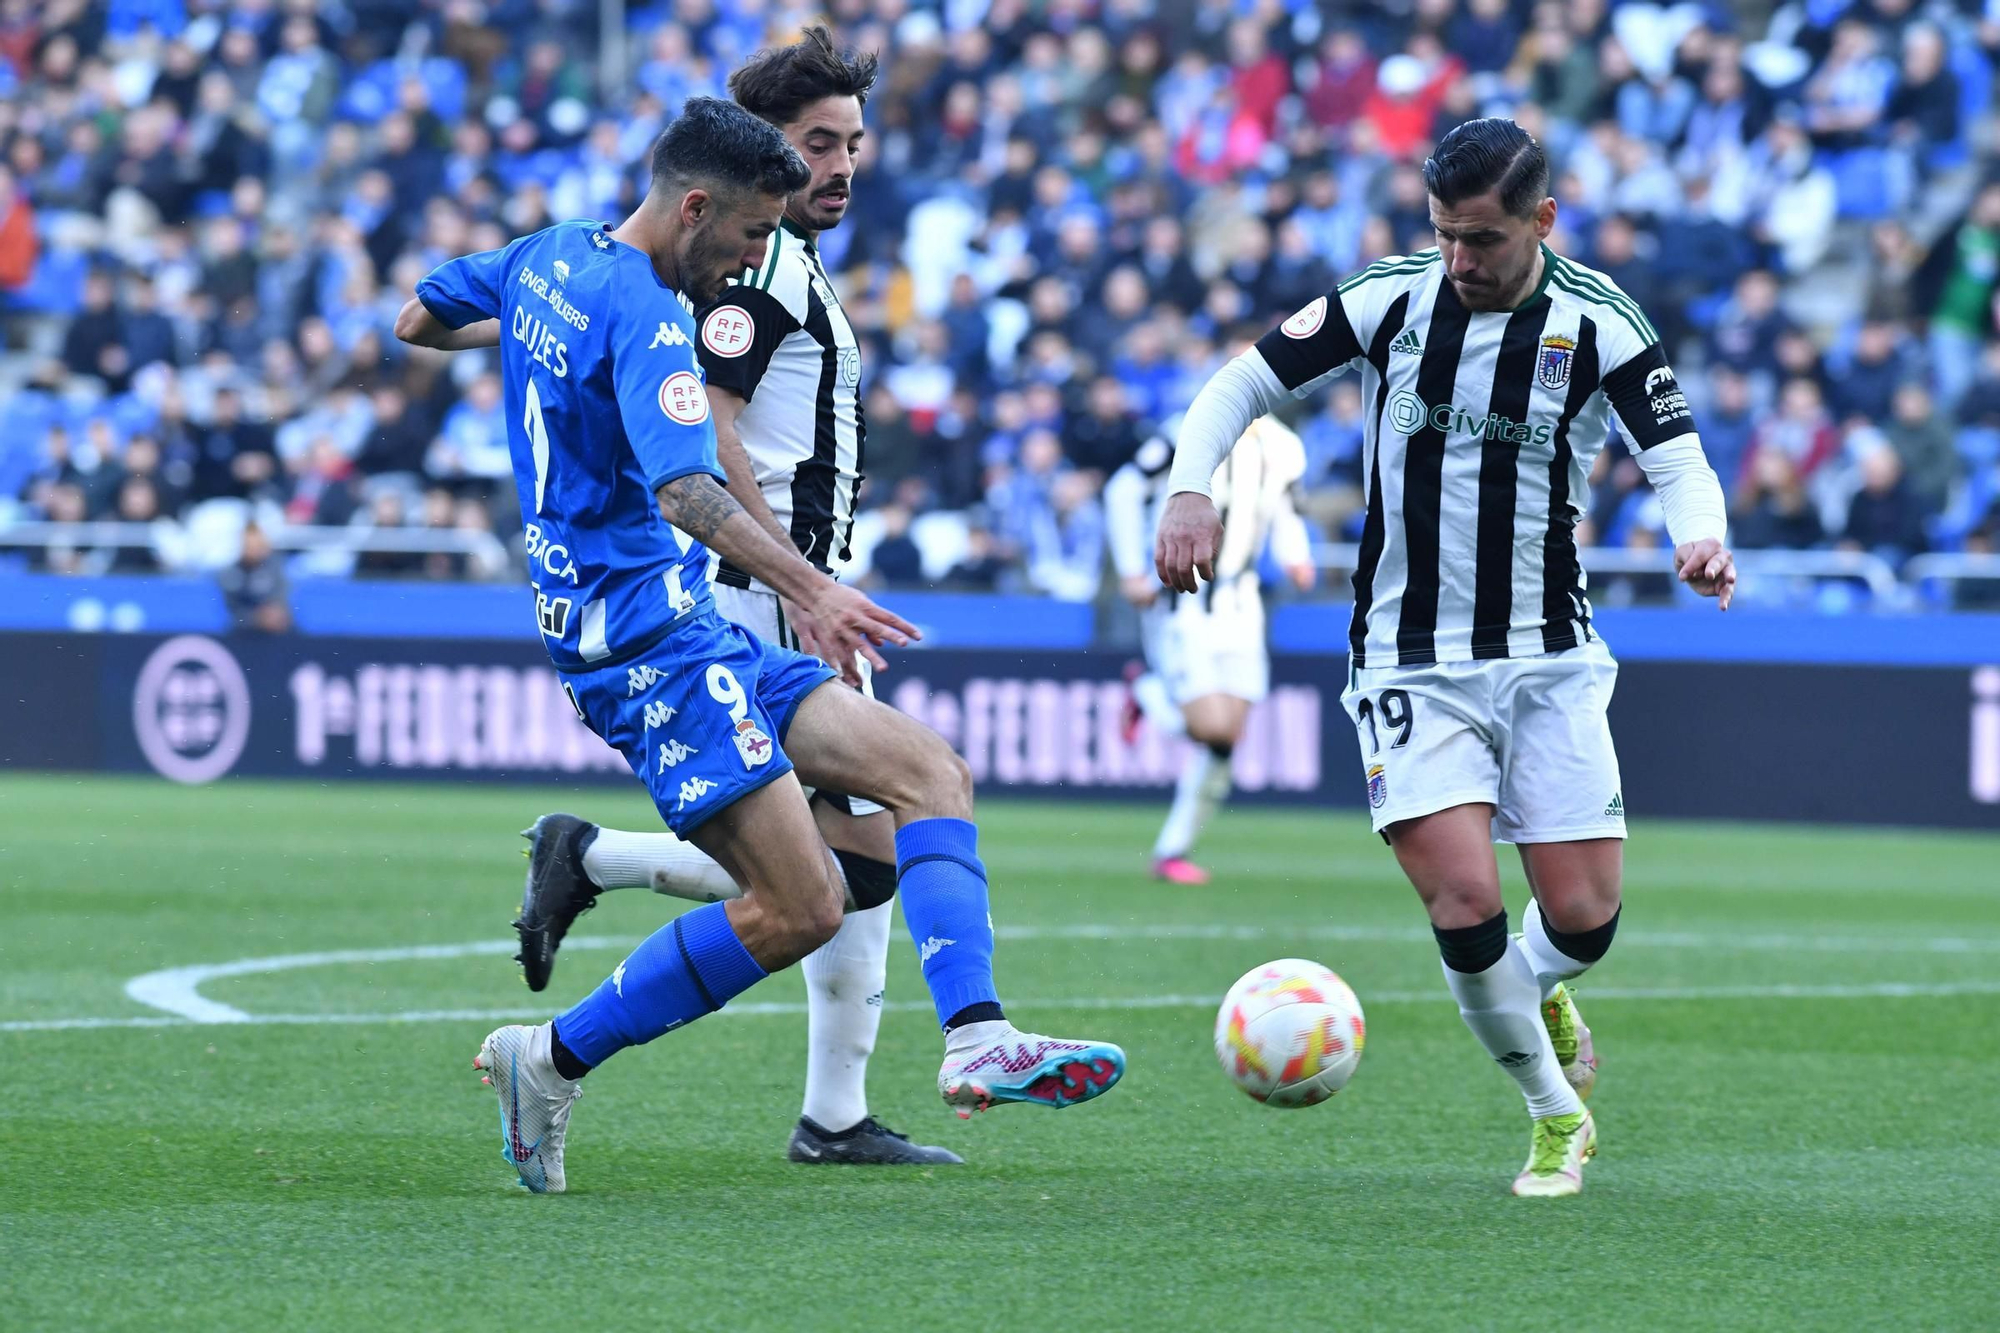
(940, 782)
(820, 920)
(1578, 906)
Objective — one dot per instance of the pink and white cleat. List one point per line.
(535, 1102)
(1178, 870)
(990, 1063)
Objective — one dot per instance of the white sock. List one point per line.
(1503, 1007)
(1203, 786)
(657, 861)
(844, 980)
(1552, 966)
(1162, 713)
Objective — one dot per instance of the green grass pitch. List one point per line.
(1797, 1101)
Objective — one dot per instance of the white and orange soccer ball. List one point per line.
(1290, 1033)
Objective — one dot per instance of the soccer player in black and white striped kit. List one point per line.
(1494, 371)
(783, 374)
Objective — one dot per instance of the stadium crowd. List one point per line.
(1069, 212)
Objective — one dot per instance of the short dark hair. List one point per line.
(780, 82)
(1492, 153)
(714, 142)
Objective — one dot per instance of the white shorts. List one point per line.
(761, 613)
(1198, 653)
(1527, 735)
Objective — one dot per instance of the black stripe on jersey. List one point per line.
(1499, 476)
(1301, 360)
(815, 478)
(1562, 575)
(1372, 525)
(1423, 481)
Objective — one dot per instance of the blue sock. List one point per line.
(691, 966)
(943, 886)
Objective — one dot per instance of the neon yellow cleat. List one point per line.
(1562, 1144)
(1567, 1033)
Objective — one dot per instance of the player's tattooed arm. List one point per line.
(848, 621)
(698, 506)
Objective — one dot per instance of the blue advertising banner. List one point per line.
(1845, 744)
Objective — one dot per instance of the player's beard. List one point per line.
(706, 268)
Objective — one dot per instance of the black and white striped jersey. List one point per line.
(1480, 433)
(1253, 493)
(779, 339)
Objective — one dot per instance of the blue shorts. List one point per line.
(700, 718)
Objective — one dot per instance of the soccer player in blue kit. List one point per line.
(622, 501)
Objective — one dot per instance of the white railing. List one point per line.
(1952, 570)
(483, 547)
(1752, 566)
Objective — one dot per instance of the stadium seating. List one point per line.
(1049, 198)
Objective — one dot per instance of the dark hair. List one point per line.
(780, 82)
(1481, 155)
(714, 142)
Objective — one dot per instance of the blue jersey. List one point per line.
(604, 405)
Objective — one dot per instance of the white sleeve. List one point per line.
(1291, 543)
(1125, 522)
(1236, 395)
(1690, 495)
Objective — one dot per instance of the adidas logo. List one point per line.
(1615, 810)
(931, 948)
(1407, 341)
(1515, 1059)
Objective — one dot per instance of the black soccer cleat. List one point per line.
(867, 1144)
(557, 893)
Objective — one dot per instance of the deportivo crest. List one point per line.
(752, 744)
(1553, 366)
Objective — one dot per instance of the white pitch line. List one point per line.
(177, 990)
(1885, 990)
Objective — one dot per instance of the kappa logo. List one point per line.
(641, 678)
(692, 791)
(668, 335)
(672, 753)
(931, 948)
(658, 715)
(618, 980)
(1407, 343)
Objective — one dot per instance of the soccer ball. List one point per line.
(1290, 1033)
